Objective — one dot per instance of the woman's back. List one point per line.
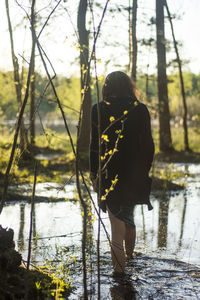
(122, 125)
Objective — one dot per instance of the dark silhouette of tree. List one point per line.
(32, 85)
(186, 142)
(164, 115)
(18, 87)
(84, 136)
(133, 40)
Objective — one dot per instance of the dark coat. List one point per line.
(127, 151)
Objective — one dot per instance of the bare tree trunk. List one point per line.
(147, 84)
(18, 126)
(84, 138)
(23, 135)
(186, 142)
(133, 41)
(164, 116)
(129, 34)
(32, 86)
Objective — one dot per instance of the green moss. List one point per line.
(37, 284)
(48, 170)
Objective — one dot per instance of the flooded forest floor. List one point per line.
(166, 264)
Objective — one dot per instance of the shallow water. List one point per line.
(170, 231)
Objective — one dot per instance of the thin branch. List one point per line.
(49, 16)
(31, 216)
(74, 28)
(99, 141)
(99, 216)
(56, 96)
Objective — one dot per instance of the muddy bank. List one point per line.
(18, 282)
(23, 192)
(53, 163)
(58, 191)
(45, 192)
(165, 185)
(178, 157)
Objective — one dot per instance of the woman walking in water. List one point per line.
(126, 153)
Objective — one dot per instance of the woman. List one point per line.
(126, 154)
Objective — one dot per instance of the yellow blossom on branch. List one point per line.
(112, 119)
(105, 137)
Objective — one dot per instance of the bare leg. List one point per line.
(130, 237)
(118, 230)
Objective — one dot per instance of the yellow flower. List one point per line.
(114, 181)
(125, 112)
(105, 137)
(112, 119)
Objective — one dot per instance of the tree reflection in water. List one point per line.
(182, 222)
(20, 241)
(163, 222)
(123, 291)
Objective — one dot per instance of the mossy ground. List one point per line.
(32, 284)
(48, 170)
(51, 170)
(21, 282)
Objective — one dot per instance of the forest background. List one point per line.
(54, 97)
(61, 44)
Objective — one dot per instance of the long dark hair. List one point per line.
(118, 84)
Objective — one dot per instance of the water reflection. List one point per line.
(123, 291)
(163, 222)
(21, 228)
(143, 224)
(21, 239)
(173, 225)
(183, 221)
(89, 220)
